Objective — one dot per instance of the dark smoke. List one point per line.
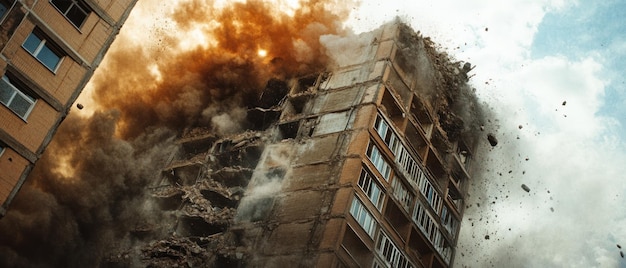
(76, 218)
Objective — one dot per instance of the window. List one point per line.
(431, 195)
(3, 10)
(43, 50)
(363, 217)
(428, 227)
(390, 253)
(379, 161)
(386, 133)
(370, 187)
(15, 99)
(75, 11)
(448, 221)
(402, 193)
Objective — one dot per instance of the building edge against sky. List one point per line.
(48, 52)
(366, 164)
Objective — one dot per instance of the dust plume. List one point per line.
(198, 66)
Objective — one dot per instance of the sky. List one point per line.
(551, 73)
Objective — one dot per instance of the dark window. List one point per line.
(3, 10)
(75, 11)
(43, 50)
(13, 96)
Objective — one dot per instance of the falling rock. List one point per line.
(492, 139)
(564, 102)
(525, 188)
(618, 246)
(621, 253)
(79, 106)
(487, 237)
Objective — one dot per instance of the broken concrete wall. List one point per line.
(279, 193)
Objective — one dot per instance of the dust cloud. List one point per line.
(199, 66)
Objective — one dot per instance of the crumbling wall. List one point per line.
(262, 196)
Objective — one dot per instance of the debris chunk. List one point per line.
(492, 139)
(487, 238)
(618, 246)
(564, 102)
(621, 253)
(79, 106)
(520, 126)
(525, 188)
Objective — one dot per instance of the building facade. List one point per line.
(49, 49)
(365, 165)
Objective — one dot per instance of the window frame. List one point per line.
(387, 134)
(44, 42)
(18, 90)
(390, 253)
(368, 184)
(359, 213)
(402, 193)
(379, 161)
(77, 4)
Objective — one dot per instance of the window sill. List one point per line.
(18, 116)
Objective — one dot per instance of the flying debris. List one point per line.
(621, 253)
(618, 246)
(525, 188)
(492, 139)
(564, 102)
(487, 237)
(79, 106)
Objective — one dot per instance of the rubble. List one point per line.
(492, 139)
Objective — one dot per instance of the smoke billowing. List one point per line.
(201, 66)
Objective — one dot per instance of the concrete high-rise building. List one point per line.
(48, 52)
(365, 165)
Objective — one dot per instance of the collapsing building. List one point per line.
(364, 165)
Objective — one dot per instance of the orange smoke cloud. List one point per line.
(226, 72)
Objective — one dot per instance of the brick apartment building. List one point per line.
(365, 165)
(49, 49)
